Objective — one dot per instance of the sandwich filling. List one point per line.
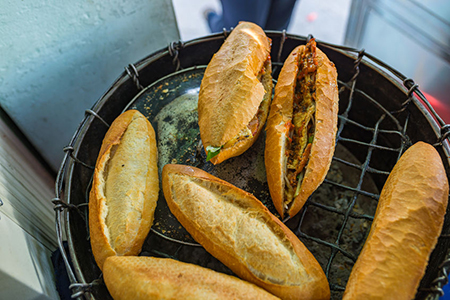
(302, 127)
(254, 126)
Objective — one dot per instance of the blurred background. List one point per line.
(58, 57)
(411, 36)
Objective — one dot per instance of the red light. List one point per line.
(442, 108)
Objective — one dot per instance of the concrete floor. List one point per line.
(325, 20)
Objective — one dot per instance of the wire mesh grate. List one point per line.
(392, 123)
(364, 168)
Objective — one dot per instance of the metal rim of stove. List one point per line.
(78, 285)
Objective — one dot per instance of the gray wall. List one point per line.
(58, 57)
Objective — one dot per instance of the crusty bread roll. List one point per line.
(301, 128)
(239, 230)
(235, 93)
(147, 278)
(125, 188)
(406, 227)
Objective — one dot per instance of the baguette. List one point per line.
(301, 128)
(125, 188)
(406, 227)
(235, 93)
(239, 230)
(146, 278)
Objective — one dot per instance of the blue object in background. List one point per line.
(446, 293)
(268, 14)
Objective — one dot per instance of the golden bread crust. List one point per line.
(406, 227)
(124, 189)
(238, 229)
(281, 112)
(230, 92)
(137, 278)
(242, 146)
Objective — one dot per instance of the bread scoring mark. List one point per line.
(239, 226)
(101, 190)
(230, 84)
(124, 183)
(248, 132)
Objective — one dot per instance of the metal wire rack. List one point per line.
(385, 137)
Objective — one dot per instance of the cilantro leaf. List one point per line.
(212, 151)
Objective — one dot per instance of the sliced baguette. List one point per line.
(278, 126)
(239, 230)
(125, 188)
(406, 227)
(146, 278)
(236, 91)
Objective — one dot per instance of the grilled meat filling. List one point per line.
(302, 127)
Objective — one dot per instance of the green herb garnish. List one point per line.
(212, 151)
(299, 183)
(310, 139)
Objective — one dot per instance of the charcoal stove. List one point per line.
(381, 113)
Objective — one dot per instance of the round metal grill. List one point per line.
(381, 114)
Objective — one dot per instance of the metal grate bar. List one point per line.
(369, 128)
(335, 210)
(355, 196)
(336, 287)
(331, 245)
(369, 144)
(355, 190)
(402, 146)
(377, 104)
(349, 105)
(369, 169)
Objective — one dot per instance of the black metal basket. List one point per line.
(381, 113)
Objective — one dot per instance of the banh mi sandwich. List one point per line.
(144, 278)
(235, 93)
(301, 128)
(237, 229)
(125, 188)
(407, 224)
